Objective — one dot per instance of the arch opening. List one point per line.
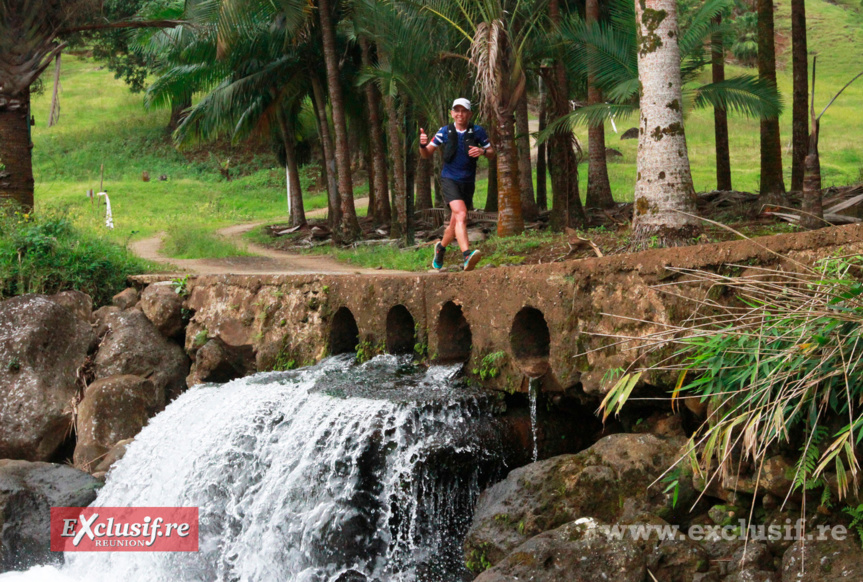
(401, 331)
(530, 341)
(454, 337)
(344, 333)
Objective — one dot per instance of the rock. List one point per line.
(218, 362)
(164, 307)
(117, 452)
(27, 493)
(752, 575)
(133, 346)
(100, 319)
(575, 552)
(612, 153)
(126, 298)
(42, 346)
(113, 409)
(824, 560)
(77, 302)
(631, 133)
(545, 495)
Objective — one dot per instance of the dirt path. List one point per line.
(263, 262)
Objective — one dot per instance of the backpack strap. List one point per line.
(451, 146)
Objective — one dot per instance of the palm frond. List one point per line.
(744, 94)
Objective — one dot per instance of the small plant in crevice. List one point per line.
(366, 350)
(201, 338)
(181, 285)
(489, 366)
(14, 365)
(856, 524)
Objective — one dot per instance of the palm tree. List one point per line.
(664, 196)
(30, 33)
(772, 187)
(720, 114)
(598, 186)
(800, 92)
(349, 228)
(378, 146)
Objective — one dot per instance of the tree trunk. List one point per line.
(370, 173)
(509, 217)
(813, 212)
(663, 188)
(323, 124)
(349, 228)
(411, 156)
(800, 114)
(379, 150)
(424, 175)
(772, 188)
(566, 209)
(541, 172)
(295, 189)
(525, 169)
(598, 186)
(491, 191)
(16, 149)
(720, 115)
(178, 112)
(397, 163)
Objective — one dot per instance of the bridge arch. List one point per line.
(344, 333)
(454, 338)
(530, 341)
(401, 330)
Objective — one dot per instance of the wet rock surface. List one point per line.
(164, 307)
(27, 493)
(42, 346)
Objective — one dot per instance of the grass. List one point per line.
(103, 123)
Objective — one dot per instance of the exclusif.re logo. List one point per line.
(124, 529)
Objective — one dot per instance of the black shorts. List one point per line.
(453, 190)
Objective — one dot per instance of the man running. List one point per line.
(462, 144)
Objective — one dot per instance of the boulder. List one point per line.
(42, 346)
(609, 482)
(631, 133)
(27, 493)
(133, 346)
(827, 560)
(126, 298)
(218, 362)
(77, 302)
(612, 153)
(164, 307)
(100, 319)
(575, 552)
(113, 409)
(117, 452)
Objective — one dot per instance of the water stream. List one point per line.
(533, 392)
(334, 473)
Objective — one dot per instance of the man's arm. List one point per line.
(427, 147)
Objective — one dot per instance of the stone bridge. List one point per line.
(543, 321)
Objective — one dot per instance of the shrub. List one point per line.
(46, 253)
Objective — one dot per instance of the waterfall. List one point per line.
(533, 393)
(333, 473)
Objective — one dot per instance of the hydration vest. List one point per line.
(451, 146)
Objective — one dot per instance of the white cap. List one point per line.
(463, 102)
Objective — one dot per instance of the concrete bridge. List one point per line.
(543, 321)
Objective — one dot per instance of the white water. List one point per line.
(533, 393)
(303, 476)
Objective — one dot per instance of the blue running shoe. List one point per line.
(471, 260)
(439, 251)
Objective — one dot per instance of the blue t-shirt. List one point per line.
(463, 167)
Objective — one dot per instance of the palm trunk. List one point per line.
(663, 189)
(411, 156)
(370, 173)
(379, 150)
(492, 190)
(178, 112)
(813, 211)
(397, 163)
(800, 64)
(509, 217)
(16, 149)
(566, 209)
(772, 188)
(541, 172)
(424, 176)
(720, 115)
(598, 186)
(295, 189)
(323, 124)
(349, 228)
(525, 169)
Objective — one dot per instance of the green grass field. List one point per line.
(102, 122)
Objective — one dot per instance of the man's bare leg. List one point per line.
(457, 227)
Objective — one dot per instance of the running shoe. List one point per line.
(471, 260)
(439, 251)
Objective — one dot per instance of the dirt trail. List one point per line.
(263, 262)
